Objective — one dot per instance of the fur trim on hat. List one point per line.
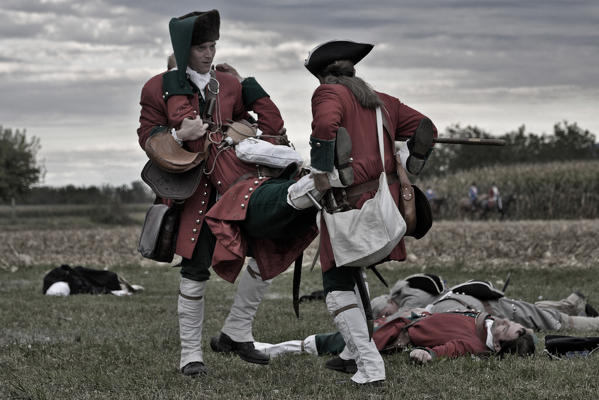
(206, 26)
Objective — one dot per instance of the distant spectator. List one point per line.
(495, 197)
(430, 194)
(473, 195)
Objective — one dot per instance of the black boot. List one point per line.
(245, 350)
(194, 368)
(341, 365)
(420, 146)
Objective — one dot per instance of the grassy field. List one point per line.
(61, 216)
(106, 347)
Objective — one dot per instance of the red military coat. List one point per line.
(445, 334)
(231, 247)
(333, 105)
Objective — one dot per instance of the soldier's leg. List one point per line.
(271, 216)
(343, 305)
(194, 276)
(236, 334)
(574, 304)
(320, 344)
(582, 324)
(526, 314)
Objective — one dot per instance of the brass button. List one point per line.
(193, 239)
(242, 205)
(205, 185)
(255, 182)
(203, 202)
(194, 230)
(219, 183)
(250, 189)
(246, 197)
(200, 212)
(317, 144)
(205, 193)
(198, 221)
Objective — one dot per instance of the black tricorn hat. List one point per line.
(326, 53)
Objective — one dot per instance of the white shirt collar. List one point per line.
(489, 323)
(200, 80)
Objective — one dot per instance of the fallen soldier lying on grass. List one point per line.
(433, 336)
(428, 291)
(64, 280)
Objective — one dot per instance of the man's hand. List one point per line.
(224, 67)
(192, 129)
(420, 356)
(321, 181)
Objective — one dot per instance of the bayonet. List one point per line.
(297, 277)
(361, 284)
(378, 275)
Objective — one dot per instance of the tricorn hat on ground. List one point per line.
(326, 53)
(482, 290)
(430, 283)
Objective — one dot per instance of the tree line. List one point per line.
(20, 169)
(568, 142)
(135, 192)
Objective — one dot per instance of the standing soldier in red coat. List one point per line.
(181, 102)
(344, 100)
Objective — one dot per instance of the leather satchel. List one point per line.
(407, 205)
(413, 203)
(365, 236)
(158, 237)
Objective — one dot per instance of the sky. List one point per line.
(71, 71)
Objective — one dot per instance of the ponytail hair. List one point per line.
(342, 72)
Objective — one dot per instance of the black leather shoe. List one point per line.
(341, 365)
(245, 350)
(420, 146)
(194, 368)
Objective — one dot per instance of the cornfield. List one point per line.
(559, 190)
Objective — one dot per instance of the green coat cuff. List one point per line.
(322, 154)
(156, 129)
(251, 91)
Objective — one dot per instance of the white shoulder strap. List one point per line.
(379, 128)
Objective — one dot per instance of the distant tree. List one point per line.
(570, 142)
(19, 168)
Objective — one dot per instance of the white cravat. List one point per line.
(489, 342)
(200, 80)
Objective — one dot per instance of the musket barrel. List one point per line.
(471, 141)
(468, 141)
